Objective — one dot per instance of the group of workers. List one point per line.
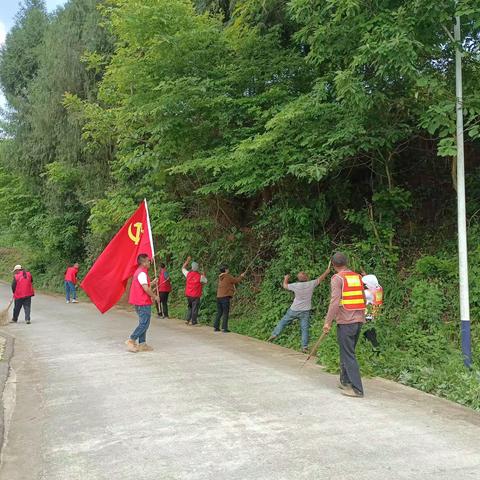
(354, 299)
(351, 295)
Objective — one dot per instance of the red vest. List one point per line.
(138, 296)
(194, 286)
(71, 274)
(24, 286)
(352, 291)
(164, 284)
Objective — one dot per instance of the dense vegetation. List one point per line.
(266, 130)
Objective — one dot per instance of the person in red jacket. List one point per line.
(193, 290)
(70, 283)
(22, 289)
(141, 297)
(164, 289)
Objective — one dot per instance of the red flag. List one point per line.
(106, 281)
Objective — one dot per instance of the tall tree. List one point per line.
(19, 56)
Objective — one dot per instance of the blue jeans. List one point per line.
(70, 290)
(288, 318)
(144, 313)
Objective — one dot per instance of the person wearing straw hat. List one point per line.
(22, 289)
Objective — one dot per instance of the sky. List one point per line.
(8, 9)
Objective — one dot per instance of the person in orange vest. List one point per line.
(347, 308)
(164, 289)
(70, 283)
(22, 289)
(193, 290)
(141, 297)
(374, 299)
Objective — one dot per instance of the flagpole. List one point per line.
(153, 252)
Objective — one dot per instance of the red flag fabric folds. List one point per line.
(106, 281)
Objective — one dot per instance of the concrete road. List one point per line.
(209, 406)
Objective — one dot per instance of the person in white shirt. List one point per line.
(371, 287)
(301, 306)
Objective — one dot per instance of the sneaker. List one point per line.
(68, 301)
(13, 321)
(272, 338)
(187, 322)
(28, 322)
(131, 345)
(143, 347)
(226, 331)
(74, 300)
(216, 329)
(351, 392)
(305, 350)
(344, 386)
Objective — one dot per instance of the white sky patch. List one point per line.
(3, 33)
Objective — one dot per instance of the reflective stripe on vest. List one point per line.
(352, 291)
(378, 296)
(138, 296)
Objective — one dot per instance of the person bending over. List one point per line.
(302, 305)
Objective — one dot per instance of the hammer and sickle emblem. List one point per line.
(135, 238)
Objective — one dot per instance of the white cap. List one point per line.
(17, 267)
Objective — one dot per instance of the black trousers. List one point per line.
(26, 303)
(371, 336)
(163, 309)
(347, 336)
(223, 310)
(193, 307)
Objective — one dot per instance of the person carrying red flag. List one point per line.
(106, 281)
(70, 283)
(193, 290)
(141, 297)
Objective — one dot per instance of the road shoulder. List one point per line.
(4, 372)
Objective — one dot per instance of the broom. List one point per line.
(4, 317)
(315, 348)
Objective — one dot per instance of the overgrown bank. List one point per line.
(275, 131)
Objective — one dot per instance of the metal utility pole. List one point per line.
(462, 221)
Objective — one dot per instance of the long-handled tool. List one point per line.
(315, 348)
(253, 260)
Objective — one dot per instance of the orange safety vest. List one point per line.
(377, 297)
(352, 291)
